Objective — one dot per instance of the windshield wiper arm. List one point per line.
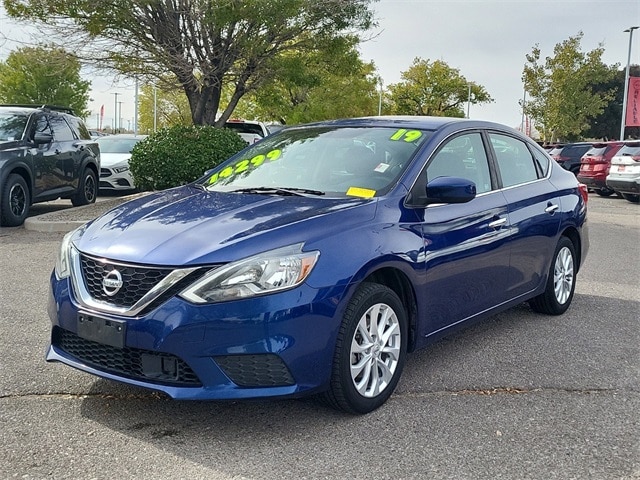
(300, 192)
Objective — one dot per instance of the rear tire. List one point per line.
(631, 197)
(370, 350)
(561, 282)
(15, 201)
(605, 192)
(87, 189)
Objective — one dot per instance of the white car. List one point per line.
(115, 152)
(624, 174)
(250, 131)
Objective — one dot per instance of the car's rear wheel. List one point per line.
(605, 192)
(87, 189)
(370, 350)
(561, 282)
(631, 197)
(15, 201)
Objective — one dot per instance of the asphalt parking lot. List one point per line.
(520, 396)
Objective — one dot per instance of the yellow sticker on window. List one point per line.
(360, 192)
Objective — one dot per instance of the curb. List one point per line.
(51, 222)
(35, 224)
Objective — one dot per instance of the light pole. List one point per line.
(120, 116)
(155, 108)
(380, 97)
(468, 100)
(115, 115)
(626, 83)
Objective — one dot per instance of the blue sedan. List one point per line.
(313, 261)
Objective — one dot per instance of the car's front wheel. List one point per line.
(561, 283)
(370, 350)
(15, 201)
(87, 189)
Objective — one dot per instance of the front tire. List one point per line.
(15, 201)
(561, 282)
(87, 189)
(370, 350)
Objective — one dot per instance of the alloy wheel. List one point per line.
(375, 350)
(563, 275)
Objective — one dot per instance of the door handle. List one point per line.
(551, 208)
(498, 223)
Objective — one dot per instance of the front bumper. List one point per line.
(271, 346)
(111, 180)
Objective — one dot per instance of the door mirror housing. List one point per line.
(41, 138)
(450, 190)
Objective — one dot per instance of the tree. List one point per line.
(44, 75)
(435, 88)
(171, 108)
(562, 98)
(205, 44)
(607, 125)
(331, 83)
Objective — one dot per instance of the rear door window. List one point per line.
(61, 131)
(514, 160)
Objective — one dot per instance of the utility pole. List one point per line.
(115, 115)
(626, 84)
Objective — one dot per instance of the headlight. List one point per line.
(121, 169)
(262, 274)
(63, 268)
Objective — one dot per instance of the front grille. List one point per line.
(105, 172)
(136, 281)
(135, 363)
(265, 370)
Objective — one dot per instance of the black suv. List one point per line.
(46, 153)
(569, 155)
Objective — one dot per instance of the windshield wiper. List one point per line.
(300, 192)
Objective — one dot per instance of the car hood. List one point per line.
(189, 226)
(111, 159)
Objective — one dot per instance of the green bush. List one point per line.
(180, 154)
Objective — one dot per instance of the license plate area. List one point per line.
(102, 330)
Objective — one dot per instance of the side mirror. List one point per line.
(42, 138)
(450, 190)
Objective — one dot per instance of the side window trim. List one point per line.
(534, 161)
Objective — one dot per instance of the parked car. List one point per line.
(595, 164)
(115, 153)
(46, 153)
(96, 133)
(313, 261)
(624, 176)
(569, 155)
(250, 131)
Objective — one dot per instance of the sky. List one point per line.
(486, 40)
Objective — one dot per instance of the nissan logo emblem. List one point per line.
(112, 283)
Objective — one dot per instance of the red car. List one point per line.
(595, 164)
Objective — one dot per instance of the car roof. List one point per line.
(26, 109)
(417, 122)
(122, 136)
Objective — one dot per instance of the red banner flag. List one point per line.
(633, 103)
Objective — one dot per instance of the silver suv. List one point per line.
(46, 152)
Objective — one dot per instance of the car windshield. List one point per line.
(356, 161)
(116, 145)
(12, 126)
(240, 127)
